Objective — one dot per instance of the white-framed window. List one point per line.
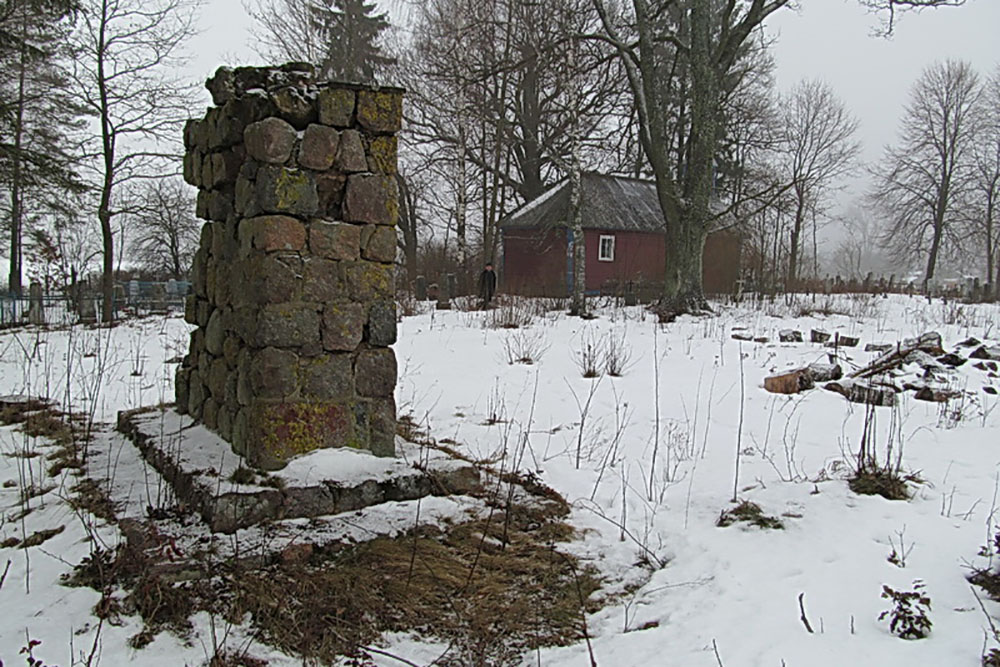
(606, 249)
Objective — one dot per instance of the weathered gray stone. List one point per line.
(196, 395)
(371, 198)
(294, 106)
(273, 374)
(221, 86)
(328, 377)
(343, 325)
(381, 110)
(220, 205)
(382, 438)
(281, 190)
(192, 168)
(375, 373)
(273, 232)
(225, 423)
(368, 281)
(378, 243)
(231, 350)
(330, 187)
(270, 140)
(322, 281)
(215, 333)
(287, 325)
(181, 380)
(351, 153)
(335, 240)
(204, 312)
(218, 375)
(336, 106)
(383, 154)
(276, 278)
(210, 413)
(319, 147)
(382, 323)
(191, 309)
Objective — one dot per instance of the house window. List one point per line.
(606, 249)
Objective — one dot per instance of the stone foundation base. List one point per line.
(206, 476)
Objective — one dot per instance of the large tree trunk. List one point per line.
(460, 207)
(683, 288)
(794, 243)
(578, 305)
(683, 291)
(16, 193)
(104, 209)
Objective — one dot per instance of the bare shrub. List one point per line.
(617, 354)
(588, 357)
(511, 312)
(525, 346)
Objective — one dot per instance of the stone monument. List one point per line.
(293, 279)
(36, 308)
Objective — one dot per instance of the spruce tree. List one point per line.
(351, 30)
(36, 116)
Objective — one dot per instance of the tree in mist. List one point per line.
(983, 194)
(817, 147)
(704, 40)
(489, 85)
(165, 231)
(920, 179)
(127, 53)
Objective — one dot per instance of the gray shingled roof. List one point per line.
(607, 202)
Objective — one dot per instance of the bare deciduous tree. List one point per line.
(704, 40)
(165, 231)
(818, 146)
(921, 178)
(887, 9)
(984, 187)
(128, 50)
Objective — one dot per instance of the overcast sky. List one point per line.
(827, 39)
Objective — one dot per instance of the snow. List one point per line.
(691, 393)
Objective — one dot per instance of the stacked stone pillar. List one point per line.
(293, 279)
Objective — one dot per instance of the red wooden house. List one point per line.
(623, 236)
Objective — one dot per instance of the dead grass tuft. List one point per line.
(748, 512)
(16, 412)
(40, 537)
(90, 496)
(493, 589)
(881, 482)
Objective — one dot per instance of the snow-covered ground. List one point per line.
(648, 462)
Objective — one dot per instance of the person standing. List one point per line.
(487, 284)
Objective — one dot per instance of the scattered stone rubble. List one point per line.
(875, 383)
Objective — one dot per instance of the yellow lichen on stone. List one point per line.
(383, 154)
(380, 111)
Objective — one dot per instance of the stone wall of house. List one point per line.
(293, 279)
